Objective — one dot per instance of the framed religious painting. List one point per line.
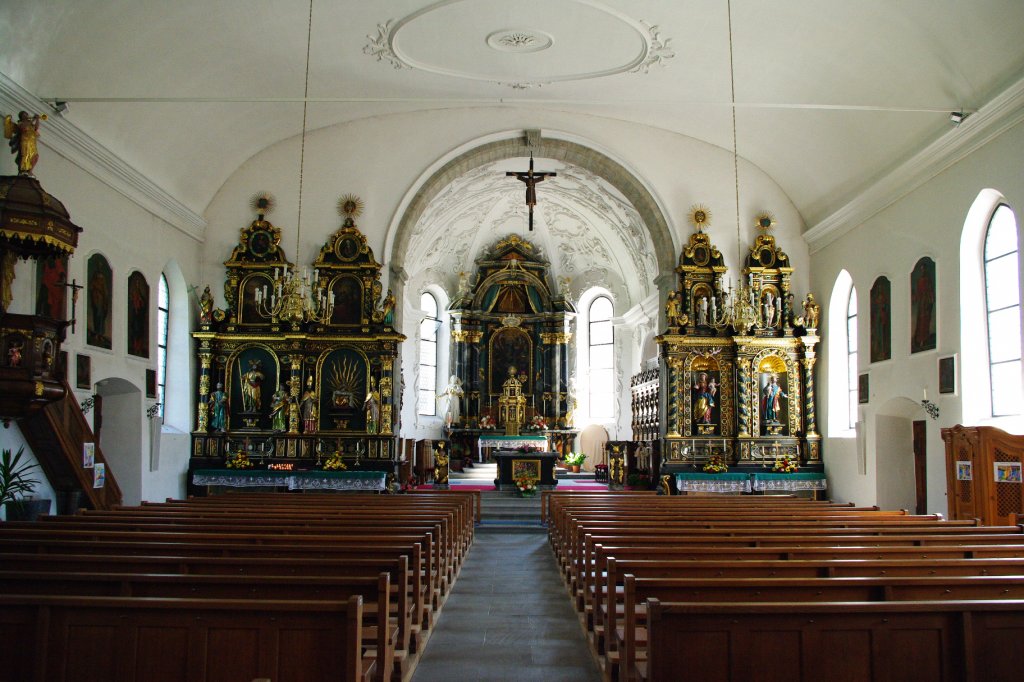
(51, 278)
(99, 299)
(881, 329)
(948, 378)
(83, 371)
(922, 306)
(862, 388)
(138, 315)
(150, 383)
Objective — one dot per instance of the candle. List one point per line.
(924, 394)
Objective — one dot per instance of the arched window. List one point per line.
(1002, 312)
(426, 403)
(842, 358)
(851, 358)
(162, 323)
(601, 358)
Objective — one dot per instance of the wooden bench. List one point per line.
(632, 640)
(379, 635)
(892, 641)
(86, 639)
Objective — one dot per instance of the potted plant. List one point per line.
(16, 485)
(638, 480)
(575, 460)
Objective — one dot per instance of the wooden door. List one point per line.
(920, 467)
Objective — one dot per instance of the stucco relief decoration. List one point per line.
(658, 50)
(380, 46)
(576, 32)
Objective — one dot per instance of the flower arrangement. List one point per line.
(784, 464)
(538, 423)
(526, 486)
(575, 459)
(600, 472)
(334, 463)
(239, 460)
(487, 422)
(715, 465)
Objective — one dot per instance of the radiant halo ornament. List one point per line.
(350, 206)
(262, 202)
(765, 221)
(700, 217)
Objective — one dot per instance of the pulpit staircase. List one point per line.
(56, 434)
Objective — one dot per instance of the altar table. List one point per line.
(503, 442)
(539, 466)
(292, 480)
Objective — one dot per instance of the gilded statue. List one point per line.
(23, 135)
(811, 312)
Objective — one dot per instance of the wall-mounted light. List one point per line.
(957, 117)
(61, 107)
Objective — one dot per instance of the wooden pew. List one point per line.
(374, 591)
(631, 636)
(409, 600)
(941, 640)
(98, 639)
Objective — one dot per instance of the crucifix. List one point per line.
(531, 179)
(75, 288)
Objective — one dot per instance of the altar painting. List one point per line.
(348, 300)
(343, 388)
(510, 347)
(51, 276)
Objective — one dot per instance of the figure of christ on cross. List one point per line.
(531, 179)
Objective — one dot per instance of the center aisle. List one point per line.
(508, 618)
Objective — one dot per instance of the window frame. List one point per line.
(986, 272)
(426, 323)
(163, 325)
(606, 392)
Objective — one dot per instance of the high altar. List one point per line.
(510, 336)
(736, 377)
(300, 366)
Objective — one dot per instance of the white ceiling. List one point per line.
(830, 94)
(589, 233)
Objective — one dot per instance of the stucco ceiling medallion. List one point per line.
(451, 38)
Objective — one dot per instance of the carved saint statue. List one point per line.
(23, 135)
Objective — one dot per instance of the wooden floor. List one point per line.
(508, 618)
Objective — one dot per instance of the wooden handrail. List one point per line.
(56, 435)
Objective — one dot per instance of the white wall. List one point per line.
(131, 238)
(926, 222)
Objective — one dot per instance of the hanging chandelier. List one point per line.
(739, 308)
(291, 297)
(295, 298)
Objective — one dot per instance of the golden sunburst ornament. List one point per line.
(700, 217)
(350, 206)
(262, 202)
(765, 221)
